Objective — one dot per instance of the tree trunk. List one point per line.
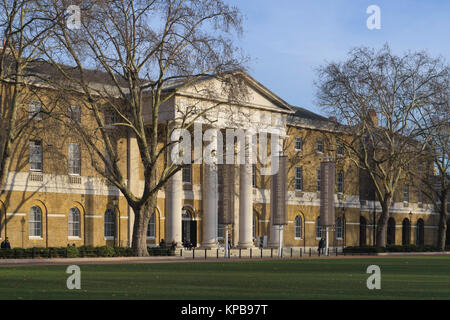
(382, 224)
(442, 225)
(141, 218)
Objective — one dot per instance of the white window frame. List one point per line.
(151, 228)
(299, 178)
(36, 145)
(187, 167)
(74, 152)
(340, 182)
(319, 234)
(74, 225)
(75, 113)
(110, 212)
(339, 228)
(320, 143)
(298, 140)
(35, 223)
(298, 218)
(34, 109)
(406, 193)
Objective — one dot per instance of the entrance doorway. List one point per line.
(189, 227)
(447, 237)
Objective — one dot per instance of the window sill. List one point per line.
(109, 238)
(74, 238)
(35, 238)
(151, 238)
(339, 239)
(298, 239)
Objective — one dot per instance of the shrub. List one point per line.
(87, 251)
(106, 251)
(72, 252)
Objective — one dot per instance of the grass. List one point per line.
(401, 278)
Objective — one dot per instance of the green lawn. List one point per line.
(402, 278)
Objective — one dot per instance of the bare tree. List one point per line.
(23, 29)
(375, 96)
(433, 122)
(144, 51)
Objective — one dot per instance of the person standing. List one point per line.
(5, 244)
(321, 245)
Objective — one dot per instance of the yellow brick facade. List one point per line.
(55, 192)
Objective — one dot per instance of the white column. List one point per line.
(246, 201)
(173, 209)
(210, 198)
(274, 241)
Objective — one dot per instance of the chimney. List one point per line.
(373, 117)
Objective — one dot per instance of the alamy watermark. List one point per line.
(74, 280)
(374, 281)
(374, 20)
(74, 17)
(212, 148)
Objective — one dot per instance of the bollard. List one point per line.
(328, 252)
(217, 253)
(310, 252)
(205, 254)
(181, 252)
(271, 252)
(336, 252)
(291, 252)
(261, 253)
(240, 252)
(250, 253)
(301, 254)
(193, 254)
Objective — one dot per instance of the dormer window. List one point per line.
(298, 144)
(35, 110)
(320, 146)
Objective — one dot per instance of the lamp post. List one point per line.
(115, 202)
(409, 227)
(23, 228)
(374, 223)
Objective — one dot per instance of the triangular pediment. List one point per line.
(255, 95)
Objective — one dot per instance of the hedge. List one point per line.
(75, 252)
(392, 248)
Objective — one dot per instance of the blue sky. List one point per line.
(288, 39)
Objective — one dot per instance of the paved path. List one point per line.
(138, 260)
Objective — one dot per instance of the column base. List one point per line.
(208, 246)
(246, 245)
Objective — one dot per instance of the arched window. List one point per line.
(406, 232)
(298, 227)
(74, 223)
(339, 228)
(110, 224)
(362, 231)
(35, 222)
(420, 228)
(151, 229)
(391, 231)
(318, 228)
